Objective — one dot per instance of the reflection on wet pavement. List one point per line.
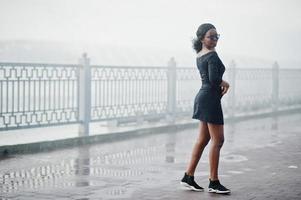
(120, 169)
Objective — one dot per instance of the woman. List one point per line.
(207, 108)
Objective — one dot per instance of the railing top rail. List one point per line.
(25, 64)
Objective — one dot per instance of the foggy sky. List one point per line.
(263, 28)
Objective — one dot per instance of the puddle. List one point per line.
(233, 158)
(235, 172)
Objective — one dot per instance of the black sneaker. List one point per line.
(217, 187)
(188, 181)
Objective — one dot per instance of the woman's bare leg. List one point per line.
(200, 144)
(216, 132)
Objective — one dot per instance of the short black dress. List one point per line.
(207, 103)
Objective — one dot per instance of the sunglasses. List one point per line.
(212, 37)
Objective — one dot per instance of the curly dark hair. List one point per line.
(200, 33)
(197, 44)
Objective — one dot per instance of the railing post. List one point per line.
(232, 77)
(275, 86)
(171, 90)
(84, 88)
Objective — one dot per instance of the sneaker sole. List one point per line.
(191, 187)
(218, 191)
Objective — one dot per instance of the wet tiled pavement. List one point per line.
(260, 159)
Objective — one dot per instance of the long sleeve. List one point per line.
(215, 76)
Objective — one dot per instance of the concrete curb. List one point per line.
(35, 147)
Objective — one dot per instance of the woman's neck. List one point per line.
(205, 50)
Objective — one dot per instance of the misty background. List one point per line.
(147, 33)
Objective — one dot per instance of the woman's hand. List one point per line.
(225, 87)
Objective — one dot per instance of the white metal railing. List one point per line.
(34, 95)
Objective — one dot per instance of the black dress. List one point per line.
(207, 103)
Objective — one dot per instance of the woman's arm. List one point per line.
(215, 77)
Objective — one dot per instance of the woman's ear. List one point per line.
(202, 40)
